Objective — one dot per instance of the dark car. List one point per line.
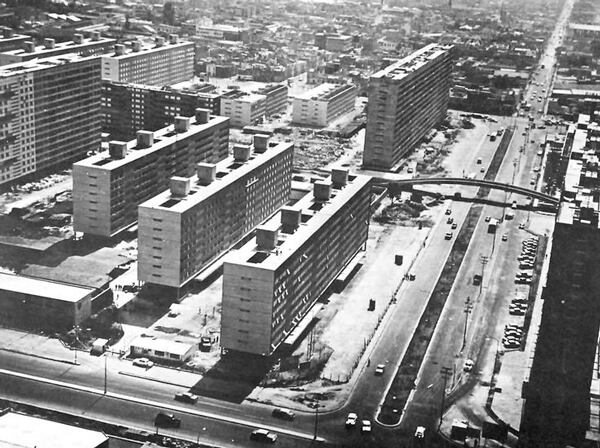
(284, 414)
(186, 397)
(167, 420)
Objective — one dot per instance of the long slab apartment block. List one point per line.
(273, 281)
(163, 62)
(108, 187)
(406, 100)
(182, 230)
(323, 104)
(50, 114)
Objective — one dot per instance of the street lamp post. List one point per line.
(316, 421)
(105, 374)
(467, 310)
(445, 372)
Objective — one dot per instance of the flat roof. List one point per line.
(42, 64)
(18, 430)
(228, 172)
(41, 50)
(162, 138)
(162, 345)
(314, 214)
(146, 48)
(584, 27)
(324, 92)
(43, 288)
(412, 62)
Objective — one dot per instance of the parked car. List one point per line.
(454, 226)
(420, 432)
(284, 414)
(143, 362)
(165, 420)
(468, 366)
(448, 236)
(186, 397)
(366, 426)
(351, 420)
(450, 220)
(448, 211)
(505, 237)
(263, 435)
(379, 369)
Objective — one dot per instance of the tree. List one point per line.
(169, 13)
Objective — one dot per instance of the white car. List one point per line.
(366, 426)
(379, 369)
(351, 420)
(469, 363)
(420, 432)
(143, 362)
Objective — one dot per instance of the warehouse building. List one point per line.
(161, 64)
(92, 46)
(51, 114)
(183, 230)
(406, 100)
(108, 187)
(323, 104)
(273, 281)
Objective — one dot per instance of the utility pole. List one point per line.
(445, 372)
(467, 310)
(484, 261)
(316, 421)
(105, 374)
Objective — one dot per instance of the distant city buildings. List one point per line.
(274, 280)
(406, 99)
(126, 108)
(50, 114)
(323, 104)
(183, 230)
(108, 187)
(92, 46)
(161, 64)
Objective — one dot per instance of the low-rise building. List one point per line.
(108, 187)
(323, 104)
(33, 303)
(161, 64)
(20, 431)
(164, 350)
(183, 230)
(92, 46)
(243, 109)
(276, 98)
(274, 280)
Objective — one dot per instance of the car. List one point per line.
(284, 414)
(186, 397)
(482, 170)
(468, 366)
(166, 420)
(513, 332)
(379, 369)
(488, 218)
(448, 236)
(522, 226)
(524, 274)
(263, 435)
(450, 220)
(516, 312)
(365, 426)
(420, 432)
(351, 420)
(526, 266)
(505, 237)
(143, 362)
(454, 226)
(448, 211)
(523, 281)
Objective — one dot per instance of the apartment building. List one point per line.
(183, 230)
(108, 187)
(50, 114)
(273, 281)
(406, 99)
(323, 104)
(126, 107)
(276, 98)
(11, 41)
(244, 109)
(160, 64)
(92, 46)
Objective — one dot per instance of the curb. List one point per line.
(48, 358)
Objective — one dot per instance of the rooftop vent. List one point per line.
(339, 177)
(117, 149)
(182, 124)
(29, 46)
(202, 116)
(206, 172)
(159, 41)
(290, 218)
(241, 153)
(7, 32)
(266, 237)
(49, 43)
(95, 36)
(119, 49)
(78, 38)
(179, 186)
(136, 46)
(261, 143)
(145, 139)
(173, 38)
(322, 190)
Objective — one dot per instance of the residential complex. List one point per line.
(182, 230)
(406, 99)
(277, 98)
(273, 281)
(161, 64)
(51, 114)
(323, 104)
(126, 108)
(92, 46)
(108, 187)
(243, 109)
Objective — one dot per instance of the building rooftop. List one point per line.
(144, 47)
(584, 27)
(162, 345)
(314, 214)
(228, 171)
(41, 64)
(245, 97)
(40, 287)
(412, 62)
(43, 50)
(324, 92)
(162, 138)
(18, 430)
